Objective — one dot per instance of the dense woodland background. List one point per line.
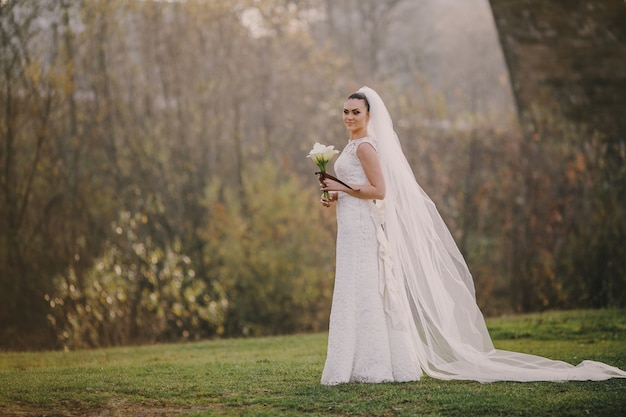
(154, 185)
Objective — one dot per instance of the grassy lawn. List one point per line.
(280, 376)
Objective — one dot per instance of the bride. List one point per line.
(404, 300)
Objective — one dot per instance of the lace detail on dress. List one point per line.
(348, 166)
(363, 346)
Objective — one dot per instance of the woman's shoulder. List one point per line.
(354, 145)
(367, 139)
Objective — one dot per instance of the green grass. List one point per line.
(280, 376)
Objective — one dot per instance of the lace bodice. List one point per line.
(349, 169)
(348, 166)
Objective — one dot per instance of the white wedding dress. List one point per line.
(404, 298)
(362, 345)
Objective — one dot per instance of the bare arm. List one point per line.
(375, 190)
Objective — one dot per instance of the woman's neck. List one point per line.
(358, 134)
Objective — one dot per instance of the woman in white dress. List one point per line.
(404, 299)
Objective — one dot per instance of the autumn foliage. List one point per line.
(154, 182)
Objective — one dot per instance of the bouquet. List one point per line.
(321, 155)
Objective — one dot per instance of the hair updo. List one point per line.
(360, 96)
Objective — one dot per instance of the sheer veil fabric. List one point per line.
(429, 291)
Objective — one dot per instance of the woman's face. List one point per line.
(355, 115)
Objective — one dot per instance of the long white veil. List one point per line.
(449, 334)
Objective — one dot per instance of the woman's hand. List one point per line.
(328, 184)
(333, 195)
(328, 203)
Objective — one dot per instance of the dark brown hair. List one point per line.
(360, 96)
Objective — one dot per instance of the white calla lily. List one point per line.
(321, 155)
